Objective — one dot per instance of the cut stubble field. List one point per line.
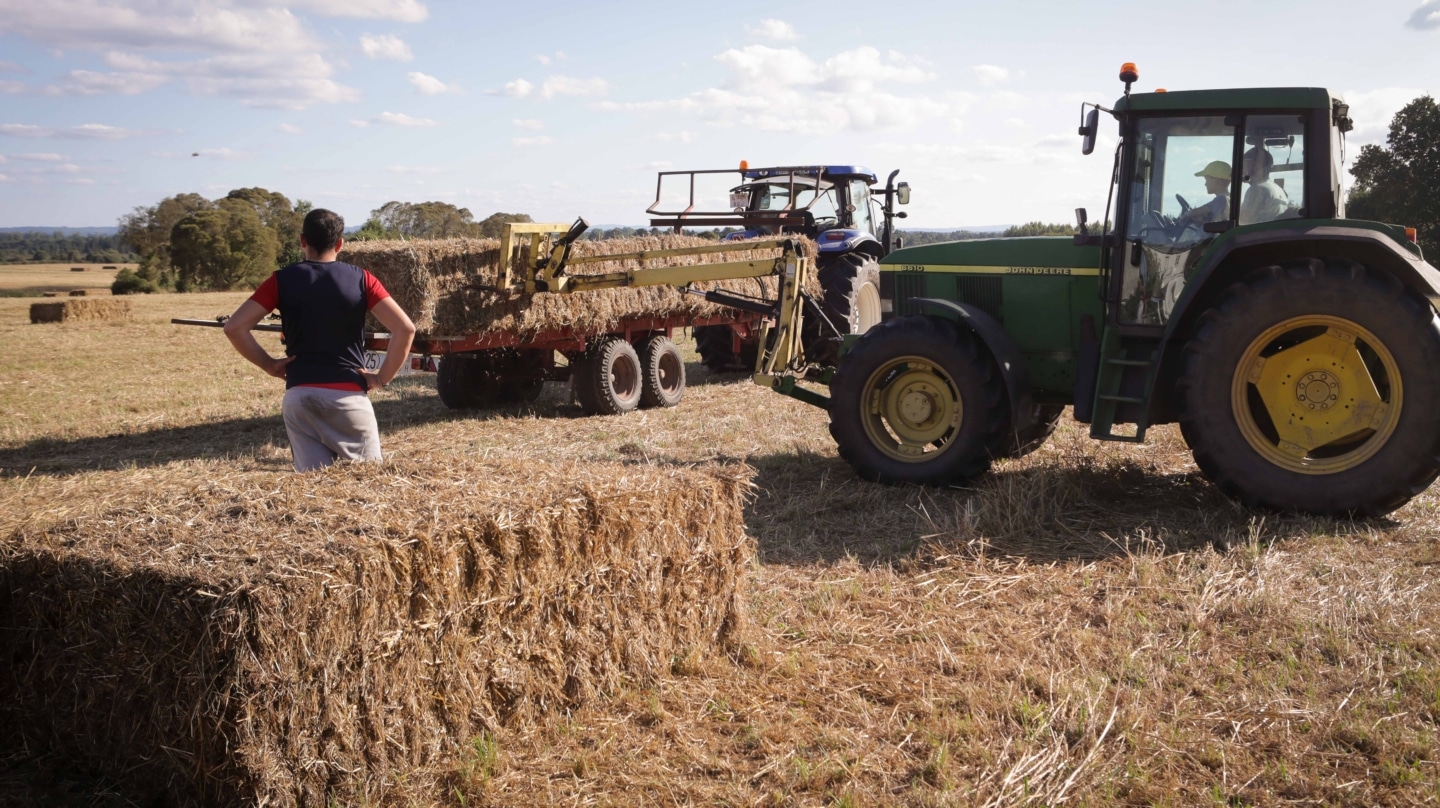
(34, 280)
(1092, 625)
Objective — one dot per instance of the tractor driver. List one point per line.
(1217, 183)
(1264, 201)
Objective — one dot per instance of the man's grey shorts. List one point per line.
(328, 425)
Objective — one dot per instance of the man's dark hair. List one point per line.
(322, 229)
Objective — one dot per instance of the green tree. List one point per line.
(493, 226)
(1401, 183)
(279, 215)
(227, 247)
(147, 231)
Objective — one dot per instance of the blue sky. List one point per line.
(568, 109)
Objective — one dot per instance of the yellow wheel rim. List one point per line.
(912, 409)
(1317, 394)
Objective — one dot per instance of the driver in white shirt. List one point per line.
(1264, 201)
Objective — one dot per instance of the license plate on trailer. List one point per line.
(374, 359)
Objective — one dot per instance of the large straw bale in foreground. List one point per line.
(81, 309)
(453, 287)
(341, 637)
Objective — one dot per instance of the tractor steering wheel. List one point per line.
(1184, 206)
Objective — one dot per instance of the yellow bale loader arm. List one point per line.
(534, 258)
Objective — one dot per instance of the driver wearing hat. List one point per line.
(1217, 182)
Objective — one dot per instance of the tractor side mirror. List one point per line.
(902, 193)
(1089, 130)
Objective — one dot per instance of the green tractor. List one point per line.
(1298, 350)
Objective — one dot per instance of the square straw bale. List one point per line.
(81, 309)
(340, 637)
(453, 287)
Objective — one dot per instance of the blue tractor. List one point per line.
(839, 207)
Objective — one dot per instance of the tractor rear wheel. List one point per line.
(716, 346)
(1313, 388)
(1012, 444)
(850, 283)
(664, 373)
(917, 400)
(608, 379)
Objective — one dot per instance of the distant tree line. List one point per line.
(915, 238)
(57, 247)
(431, 220)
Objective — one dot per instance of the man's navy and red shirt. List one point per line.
(322, 313)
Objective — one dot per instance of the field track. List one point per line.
(1092, 625)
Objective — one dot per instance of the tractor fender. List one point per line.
(1278, 245)
(854, 241)
(1007, 354)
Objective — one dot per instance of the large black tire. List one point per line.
(917, 400)
(716, 346)
(464, 383)
(486, 378)
(850, 283)
(1313, 388)
(608, 379)
(1012, 444)
(663, 367)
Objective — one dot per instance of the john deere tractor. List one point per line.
(851, 222)
(1299, 350)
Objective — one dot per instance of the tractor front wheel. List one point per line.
(916, 400)
(1312, 388)
(850, 283)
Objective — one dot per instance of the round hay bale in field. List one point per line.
(341, 637)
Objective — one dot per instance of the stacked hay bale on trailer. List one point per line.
(501, 344)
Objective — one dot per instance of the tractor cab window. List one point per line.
(770, 197)
(860, 203)
(1182, 179)
(821, 205)
(1273, 168)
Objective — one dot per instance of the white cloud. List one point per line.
(224, 153)
(568, 85)
(519, 88)
(773, 30)
(3, 160)
(89, 131)
(11, 67)
(1426, 17)
(12, 87)
(528, 123)
(397, 10)
(250, 50)
(86, 82)
(5, 178)
(415, 169)
(394, 119)
(1372, 111)
(40, 157)
(990, 75)
(538, 140)
(428, 85)
(784, 90)
(386, 47)
(674, 137)
(290, 129)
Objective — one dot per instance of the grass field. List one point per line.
(1091, 625)
(34, 280)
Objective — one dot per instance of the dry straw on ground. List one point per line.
(255, 638)
(77, 309)
(453, 287)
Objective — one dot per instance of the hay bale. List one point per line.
(81, 309)
(452, 287)
(340, 637)
(81, 292)
(109, 266)
(77, 269)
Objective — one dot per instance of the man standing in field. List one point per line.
(323, 302)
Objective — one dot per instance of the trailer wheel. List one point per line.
(608, 380)
(716, 346)
(851, 301)
(464, 383)
(1012, 445)
(664, 369)
(917, 400)
(1313, 388)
